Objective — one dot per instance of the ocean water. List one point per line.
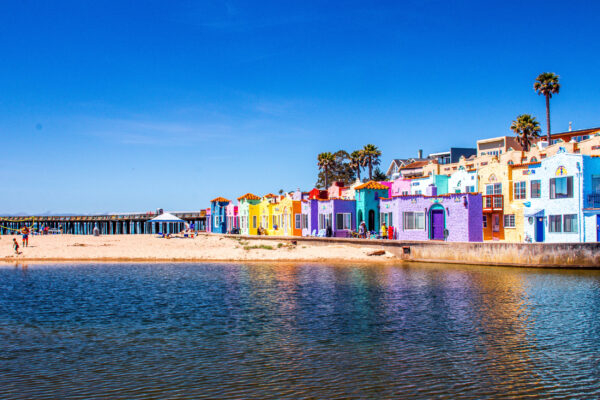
(219, 331)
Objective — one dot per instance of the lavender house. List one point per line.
(310, 217)
(419, 217)
(339, 215)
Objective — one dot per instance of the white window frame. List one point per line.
(509, 221)
(410, 220)
(346, 222)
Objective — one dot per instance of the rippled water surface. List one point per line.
(297, 331)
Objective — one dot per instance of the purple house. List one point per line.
(337, 214)
(419, 217)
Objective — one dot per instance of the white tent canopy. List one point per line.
(166, 217)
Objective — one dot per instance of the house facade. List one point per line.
(248, 212)
(218, 214)
(367, 204)
(337, 214)
(566, 210)
(451, 217)
(310, 217)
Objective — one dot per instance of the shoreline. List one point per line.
(214, 248)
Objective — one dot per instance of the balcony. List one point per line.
(592, 200)
(492, 203)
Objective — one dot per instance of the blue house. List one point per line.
(218, 215)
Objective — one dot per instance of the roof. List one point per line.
(371, 185)
(269, 195)
(249, 196)
(219, 200)
(575, 133)
(416, 164)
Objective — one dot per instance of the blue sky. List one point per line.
(129, 106)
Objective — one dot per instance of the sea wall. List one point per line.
(562, 255)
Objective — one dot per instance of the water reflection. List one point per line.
(291, 330)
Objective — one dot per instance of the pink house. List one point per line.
(389, 185)
(335, 190)
(400, 187)
(231, 213)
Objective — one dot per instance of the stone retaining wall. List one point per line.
(563, 255)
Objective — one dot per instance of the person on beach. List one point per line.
(384, 231)
(15, 246)
(25, 232)
(362, 231)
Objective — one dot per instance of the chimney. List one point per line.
(570, 126)
(420, 153)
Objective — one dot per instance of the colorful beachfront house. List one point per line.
(367, 204)
(310, 217)
(248, 213)
(286, 215)
(231, 214)
(218, 211)
(337, 215)
(463, 181)
(567, 209)
(452, 217)
(400, 187)
(420, 185)
(265, 213)
(317, 194)
(335, 190)
(493, 185)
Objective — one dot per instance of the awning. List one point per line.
(166, 217)
(534, 213)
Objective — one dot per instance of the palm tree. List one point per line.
(547, 84)
(325, 161)
(526, 128)
(371, 156)
(356, 162)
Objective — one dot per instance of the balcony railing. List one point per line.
(593, 200)
(492, 202)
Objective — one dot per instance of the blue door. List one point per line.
(539, 229)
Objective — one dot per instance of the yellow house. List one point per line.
(265, 214)
(288, 213)
(519, 191)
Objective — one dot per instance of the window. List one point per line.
(495, 188)
(509, 220)
(254, 222)
(405, 193)
(413, 220)
(470, 189)
(417, 192)
(324, 221)
(595, 183)
(536, 189)
(216, 221)
(519, 190)
(298, 221)
(555, 223)
(274, 222)
(570, 223)
(561, 188)
(304, 221)
(386, 218)
(485, 221)
(343, 221)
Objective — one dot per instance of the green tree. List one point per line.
(340, 170)
(379, 176)
(547, 84)
(526, 128)
(356, 162)
(325, 161)
(371, 158)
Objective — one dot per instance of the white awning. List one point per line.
(534, 213)
(166, 217)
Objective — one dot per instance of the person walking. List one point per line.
(384, 231)
(362, 230)
(16, 246)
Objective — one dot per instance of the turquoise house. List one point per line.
(367, 204)
(218, 215)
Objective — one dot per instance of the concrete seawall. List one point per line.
(551, 255)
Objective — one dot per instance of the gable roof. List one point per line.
(371, 185)
(249, 196)
(219, 200)
(416, 164)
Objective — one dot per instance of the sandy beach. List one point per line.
(201, 248)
